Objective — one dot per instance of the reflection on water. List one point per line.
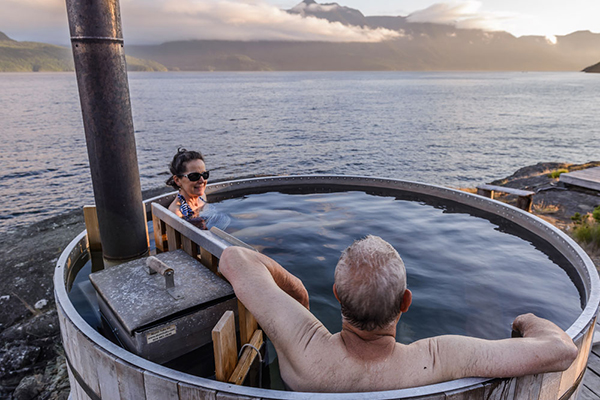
(468, 275)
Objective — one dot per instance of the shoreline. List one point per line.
(31, 358)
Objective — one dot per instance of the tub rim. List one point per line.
(585, 268)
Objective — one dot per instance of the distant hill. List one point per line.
(593, 68)
(459, 50)
(36, 57)
(3, 37)
(422, 46)
(31, 56)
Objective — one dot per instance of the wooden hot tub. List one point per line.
(99, 369)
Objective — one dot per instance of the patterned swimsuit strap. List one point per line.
(185, 208)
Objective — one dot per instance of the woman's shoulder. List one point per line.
(174, 206)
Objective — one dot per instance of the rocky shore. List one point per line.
(32, 364)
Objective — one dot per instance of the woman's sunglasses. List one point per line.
(195, 176)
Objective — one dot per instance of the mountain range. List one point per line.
(419, 46)
(36, 57)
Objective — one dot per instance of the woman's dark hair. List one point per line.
(177, 166)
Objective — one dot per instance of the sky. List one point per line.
(157, 21)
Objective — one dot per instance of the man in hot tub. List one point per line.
(370, 284)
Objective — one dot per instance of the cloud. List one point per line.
(314, 7)
(465, 15)
(156, 21)
(236, 20)
(35, 20)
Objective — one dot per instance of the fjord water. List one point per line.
(454, 129)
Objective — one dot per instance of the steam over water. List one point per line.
(454, 129)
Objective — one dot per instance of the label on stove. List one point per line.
(161, 333)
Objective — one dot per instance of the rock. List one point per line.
(41, 326)
(28, 388)
(16, 359)
(41, 304)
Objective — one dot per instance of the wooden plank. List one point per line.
(485, 193)
(247, 358)
(64, 330)
(159, 233)
(594, 362)
(474, 393)
(204, 239)
(173, 239)
(248, 324)
(72, 384)
(230, 239)
(109, 380)
(232, 396)
(131, 380)
(550, 386)
(77, 393)
(91, 226)
(504, 189)
(215, 265)
(146, 224)
(82, 357)
(189, 247)
(160, 388)
(586, 345)
(596, 347)
(206, 258)
(500, 389)
(188, 392)
(587, 394)
(225, 346)
(570, 375)
(529, 387)
(524, 203)
(592, 381)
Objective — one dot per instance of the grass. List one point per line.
(587, 228)
(544, 208)
(556, 173)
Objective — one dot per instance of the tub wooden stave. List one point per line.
(98, 369)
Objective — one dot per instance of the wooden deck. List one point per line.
(586, 178)
(590, 388)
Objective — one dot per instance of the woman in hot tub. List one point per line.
(189, 176)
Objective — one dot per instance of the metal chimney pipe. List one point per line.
(97, 42)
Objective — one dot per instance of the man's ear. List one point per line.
(406, 301)
(335, 293)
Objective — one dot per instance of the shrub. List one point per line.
(587, 228)
(596, 214)
(556, 173)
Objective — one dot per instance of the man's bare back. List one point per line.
(312, 359)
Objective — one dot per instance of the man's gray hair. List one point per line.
(370, 281)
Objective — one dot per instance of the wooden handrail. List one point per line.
(171, 233)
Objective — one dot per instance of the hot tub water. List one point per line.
(470, 273)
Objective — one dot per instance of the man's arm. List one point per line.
(276, 298)
(543, 347)
(237, 260)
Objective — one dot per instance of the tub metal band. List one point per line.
(88, 390)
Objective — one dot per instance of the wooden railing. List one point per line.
(172, 233)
